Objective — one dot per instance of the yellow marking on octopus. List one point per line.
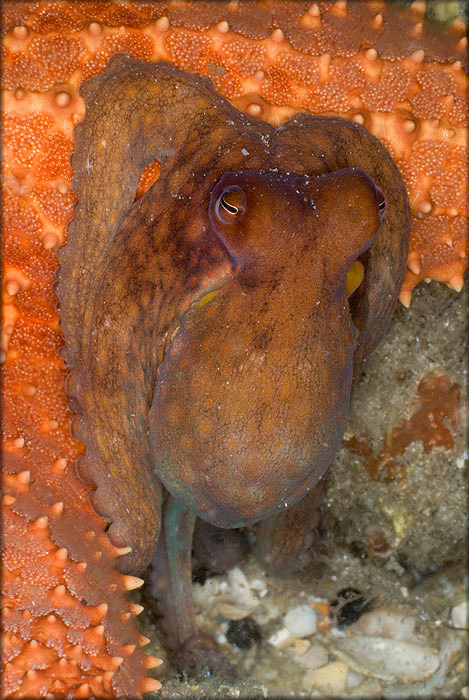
(354, 277)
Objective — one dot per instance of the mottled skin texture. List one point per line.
(207, 324)
(68, 627)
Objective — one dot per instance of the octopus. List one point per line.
(217, 277)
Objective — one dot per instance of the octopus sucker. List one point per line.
(390, 70)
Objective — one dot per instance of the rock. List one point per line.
(388, 622)
(228, 611)
(314, 657)
(329, 679)
(244, 633)
(460, 615)
(301, 621)
(349, 606)
(387, 659)
(281, 638)
(301, 646)
(354, 679)
(258, 585)
(204, 595)
(241, 592)
(421, 517)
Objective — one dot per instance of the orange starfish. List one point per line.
(68, 629)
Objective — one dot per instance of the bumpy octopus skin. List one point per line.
(67, 626)
(202, 318)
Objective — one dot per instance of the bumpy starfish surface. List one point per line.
(68, 629)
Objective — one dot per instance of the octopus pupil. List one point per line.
(228, 207)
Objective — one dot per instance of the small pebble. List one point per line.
(204, 594)
(388, 623)
(301, 621)
(349, 605)
(314, 657)
(460, 615)
(354, 679)
(241, 592)
(387, 659)
(329, 679)
(258, 585)
(281, 638)
(228, 611)
(267, 613)
(301, 646)
(244, 633)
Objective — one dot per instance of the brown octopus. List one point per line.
(207, 323)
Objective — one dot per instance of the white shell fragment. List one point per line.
(387, 659)
(329, 679)
(203, 595)
(281, 638)
(460, 615)
(240, 589)
(301, 621)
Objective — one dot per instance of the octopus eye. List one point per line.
(231, 205)
(381, 201)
